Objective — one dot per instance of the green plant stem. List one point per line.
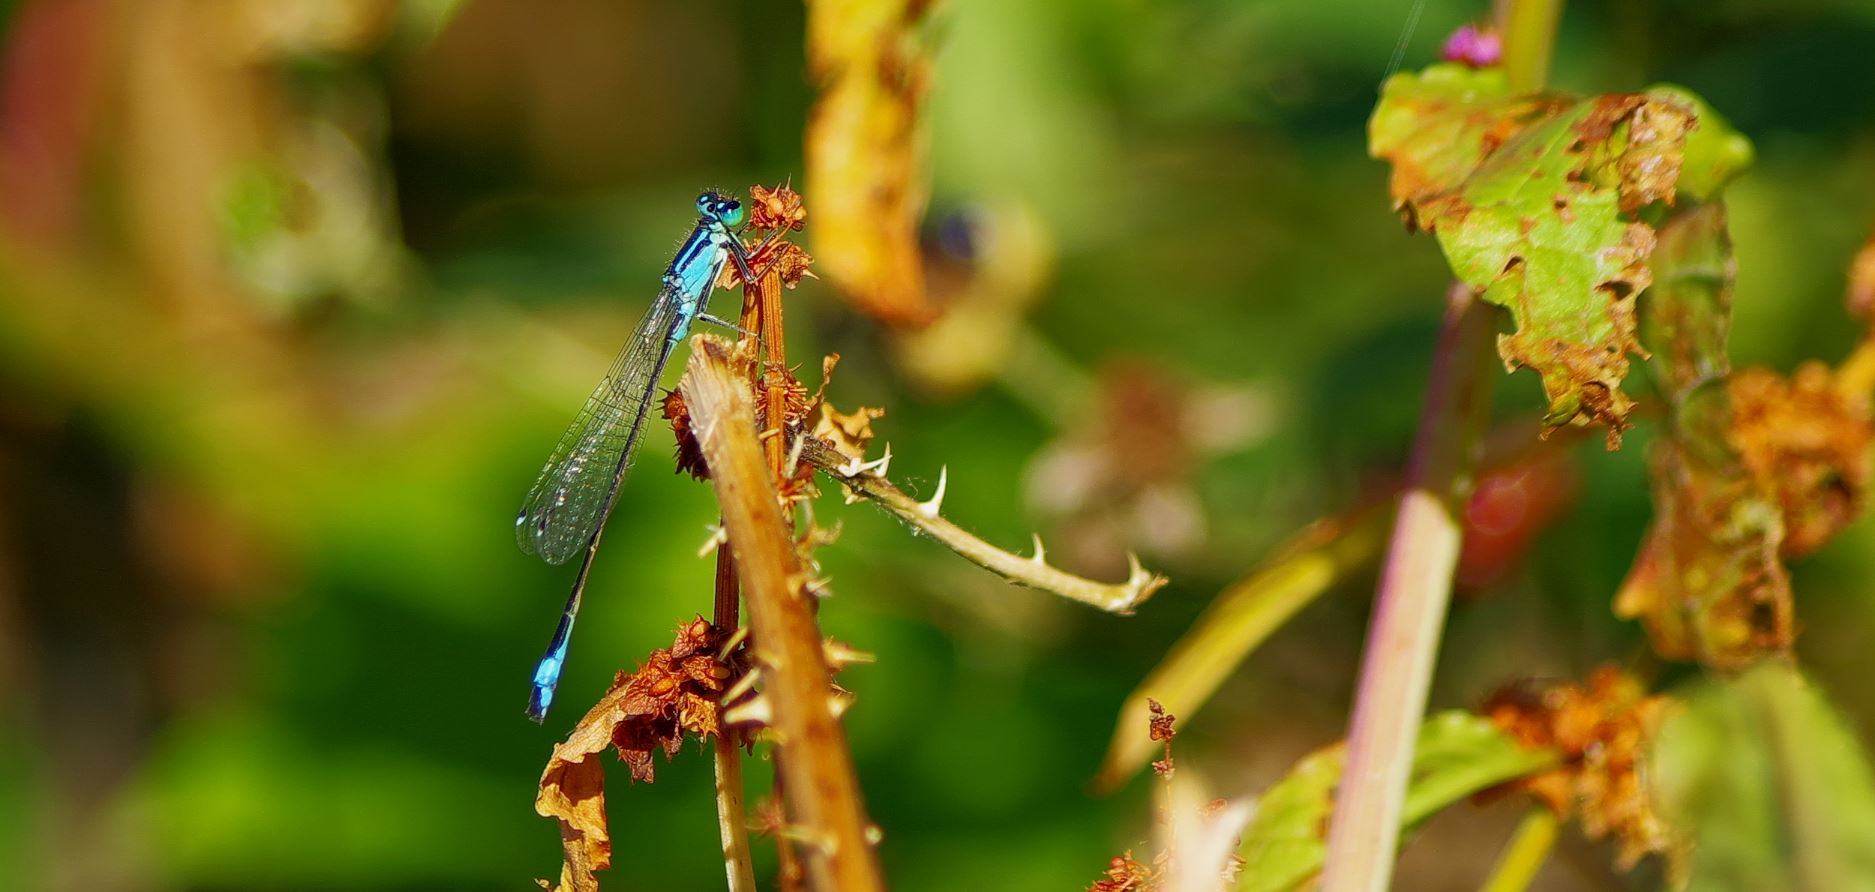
(1415, 587)
(1524, 855)
(821, 793)
(1529, 29)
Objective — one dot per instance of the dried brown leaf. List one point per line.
(851, 434)
(674, 692)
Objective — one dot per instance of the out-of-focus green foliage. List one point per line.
(295, 297)
(1458, 754)
(1774, 788)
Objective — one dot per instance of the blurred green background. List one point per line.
(296, 295)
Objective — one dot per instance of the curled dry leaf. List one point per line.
(675, 692)
(1534, 200)
(851, 434)
(1603, 730)
(864, 162)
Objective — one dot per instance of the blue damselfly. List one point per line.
(567, 508)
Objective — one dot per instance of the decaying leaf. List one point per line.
(1603, 730)
(675, 692)
(1754, 469)
(1457, 754)
(865, 166)
(1535, 201)
(1708, 583)
(573, 792)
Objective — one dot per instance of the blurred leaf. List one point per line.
(1708, 583)
(1242, 617)
(1773, 785)
(865, 167)
(1457, 754)
(1534, 200)
(1755, 467)
(1714, 153)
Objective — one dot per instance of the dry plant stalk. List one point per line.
(820, 790)
(781, 211)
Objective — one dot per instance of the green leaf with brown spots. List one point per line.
(1537, 202)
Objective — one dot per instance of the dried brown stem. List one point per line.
(732, 813)
(822, 794)
(1034, 572)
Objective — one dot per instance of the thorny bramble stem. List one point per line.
(822, 796)
(863, 481)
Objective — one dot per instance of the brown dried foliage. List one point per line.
(675, 692)
(1603, 729)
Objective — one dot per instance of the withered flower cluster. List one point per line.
(1603, 730)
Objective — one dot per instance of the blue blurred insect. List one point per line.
(566, 510)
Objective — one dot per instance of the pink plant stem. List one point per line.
(1415, 586)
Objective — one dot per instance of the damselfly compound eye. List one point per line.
(731, 213)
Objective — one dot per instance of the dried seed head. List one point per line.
(776, 209)
(689, 451)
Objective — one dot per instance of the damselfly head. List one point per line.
(720, 208)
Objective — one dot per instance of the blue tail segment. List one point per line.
(547, 673)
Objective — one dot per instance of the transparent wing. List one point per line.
(575, 490)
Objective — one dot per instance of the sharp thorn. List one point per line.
(758, 711)
(743, 685)
(718, 537)
(735, 640)
(930, 507)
